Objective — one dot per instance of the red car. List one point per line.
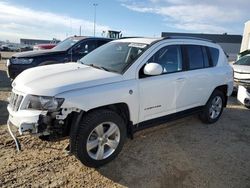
(44, 46)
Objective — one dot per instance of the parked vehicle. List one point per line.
(69, 50)
(242, 79)
(10, 47)
(122, 87)
(25, 48)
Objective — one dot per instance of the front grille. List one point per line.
(248, 90)
(15, 101)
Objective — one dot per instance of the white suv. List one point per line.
(120, 88)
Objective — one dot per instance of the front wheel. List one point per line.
(214, 108)
(100, 138)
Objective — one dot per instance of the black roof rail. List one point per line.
(131, 37)
(187, 37)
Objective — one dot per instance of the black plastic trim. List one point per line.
(164, 119)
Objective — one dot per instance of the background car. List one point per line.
(43, 46)
(10, 48)
(242, 71)
(69, 50)
(242, 79)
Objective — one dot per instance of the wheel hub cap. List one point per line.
(216, 107)
(103, 140)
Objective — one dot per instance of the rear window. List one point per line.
(214, 53)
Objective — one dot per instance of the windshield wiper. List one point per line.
(95, 66)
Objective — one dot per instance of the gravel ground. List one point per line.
(183, 153)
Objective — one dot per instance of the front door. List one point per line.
(158, 94)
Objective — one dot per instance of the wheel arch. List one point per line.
(121, 109)
(223, 89)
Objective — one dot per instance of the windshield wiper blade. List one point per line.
(103, 68)
(95, 66)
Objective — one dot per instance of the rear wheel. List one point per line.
(100, 138)
(214, 108)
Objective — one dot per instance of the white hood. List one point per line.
(51, 80)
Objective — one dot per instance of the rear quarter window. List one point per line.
(214, 53)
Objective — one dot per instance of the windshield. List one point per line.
(114, 56)
(66, 44)
(245, 60)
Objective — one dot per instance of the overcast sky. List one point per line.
(49, 19)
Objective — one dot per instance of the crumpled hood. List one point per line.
(51, 80)
(36, 53)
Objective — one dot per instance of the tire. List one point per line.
(213, 108)
(90, 134)
(248, 107)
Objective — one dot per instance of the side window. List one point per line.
(101, 42)
(80, 48)
(214, 53)
(84, 47)
(195, 57)
(205, 57)
(169, 58)
(91, 45)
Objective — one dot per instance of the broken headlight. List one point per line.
(44, 103)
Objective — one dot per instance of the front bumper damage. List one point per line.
(49, 125)
(244, 95)
(24, 121)
(46, 124)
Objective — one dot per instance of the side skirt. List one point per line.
(164, 119)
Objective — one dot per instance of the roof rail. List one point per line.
(187, 37)
(131, 37)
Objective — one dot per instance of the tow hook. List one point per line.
(18, 145)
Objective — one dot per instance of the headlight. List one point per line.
(22, 61)
(44, 103)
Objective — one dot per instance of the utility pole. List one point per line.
(80, 30)
(95, 5)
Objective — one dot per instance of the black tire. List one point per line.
(86, 127)
(247, 106)
(205, 115)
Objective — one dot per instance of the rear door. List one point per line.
(199, 78)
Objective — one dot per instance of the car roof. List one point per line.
(143, 40)
(149, 41)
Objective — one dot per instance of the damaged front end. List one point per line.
(41, 116)
(243, 95)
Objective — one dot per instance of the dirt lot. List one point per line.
(183, 153)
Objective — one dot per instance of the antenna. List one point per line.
(95, 5)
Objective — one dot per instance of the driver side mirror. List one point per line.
(153, 69)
